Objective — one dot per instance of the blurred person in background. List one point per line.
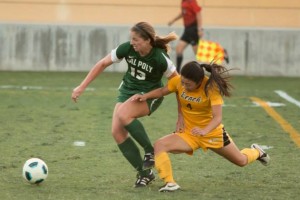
(148, 62)
(193, 30)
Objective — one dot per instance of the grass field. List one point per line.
(38, 119)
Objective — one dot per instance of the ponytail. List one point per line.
(218, 78)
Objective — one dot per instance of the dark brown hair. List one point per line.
(146, 31)
(218, 78)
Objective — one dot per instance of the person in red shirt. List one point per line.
(193, 31)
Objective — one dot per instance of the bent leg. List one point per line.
(128, 114)
(119, 133)
(126, 145)
(195, 49)
(237, 157)
(132, 153)
(170, 143)
(179, 54)
(138, 132)
(130, 110)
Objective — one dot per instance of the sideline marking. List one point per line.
(280, 120)
(27, 87)
(287, 97)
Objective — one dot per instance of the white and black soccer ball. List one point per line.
(35, 171)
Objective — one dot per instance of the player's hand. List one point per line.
(180, 124)
(138, 97)
(76, 93)
(198, 131)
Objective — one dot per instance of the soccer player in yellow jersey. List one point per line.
(200, 99)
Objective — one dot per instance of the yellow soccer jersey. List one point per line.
(196, 106)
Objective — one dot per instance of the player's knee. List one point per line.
(161, 146)
(241, 162)
(123, 116)
(119, 136)
(179, 52)
(158, 145)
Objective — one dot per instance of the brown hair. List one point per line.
(146, 31)
(194, 72)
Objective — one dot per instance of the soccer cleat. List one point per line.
(143, 181)
(148, 162)
(264, 158)
(169, 187)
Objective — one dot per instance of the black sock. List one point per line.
(179, 59)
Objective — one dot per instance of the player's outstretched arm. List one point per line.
(154, 94)
(97, 69)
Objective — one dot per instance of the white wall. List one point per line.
(40, 47)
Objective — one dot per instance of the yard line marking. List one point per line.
(287, 97)
(280, 120)
(271, 104)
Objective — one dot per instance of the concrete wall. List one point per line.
(261, 36)
(40, 47)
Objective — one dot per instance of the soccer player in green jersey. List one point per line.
(148, 61)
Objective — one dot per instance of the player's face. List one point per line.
(139, 44)
(189, 85)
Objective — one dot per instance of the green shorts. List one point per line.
(153, 104)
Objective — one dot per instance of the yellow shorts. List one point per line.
(213, 141)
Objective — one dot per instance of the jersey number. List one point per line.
(189, 106)
(138, 74)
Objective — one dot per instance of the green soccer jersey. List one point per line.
(144, 73)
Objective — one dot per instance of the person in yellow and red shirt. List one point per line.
(200, 125)
(193, 30)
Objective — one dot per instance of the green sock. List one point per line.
(137, 131)
(132, 153)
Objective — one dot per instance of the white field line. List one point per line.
(79, 143)
(287, 97)
(27, 87)
(24, 87)
(271, 104)
(255, 104)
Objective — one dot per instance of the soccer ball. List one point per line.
(35, 171)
